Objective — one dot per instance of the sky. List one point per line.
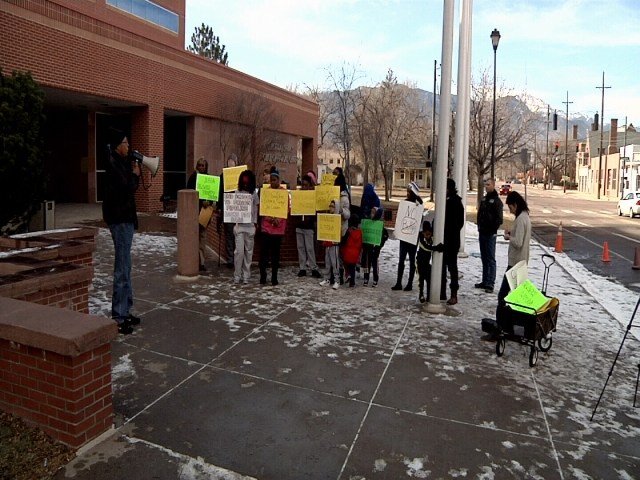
(548, 48)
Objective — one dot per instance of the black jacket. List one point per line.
(490, 214)
(119, 204)
(454, 219)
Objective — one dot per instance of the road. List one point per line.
(586, 225)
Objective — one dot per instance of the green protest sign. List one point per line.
(526, 295)
(372, 231)
(208, 187)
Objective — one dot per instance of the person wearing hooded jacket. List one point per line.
(453, 222)
(345, 210)
(407, 248)
(370, 208)
(489, 220)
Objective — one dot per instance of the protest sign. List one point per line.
(329, 227)
(328, 179)
(372, 231)
(231, 176)
(237, 207)
(274, 202)
(517, 274)
(303, 202)
(408, 221)
(208, 187)
(526, 295)
(324, 195)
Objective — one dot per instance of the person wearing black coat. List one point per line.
(489, 220)
(454, 219)
(119, 213)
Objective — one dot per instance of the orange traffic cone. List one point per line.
(558, 248)
(605, 252)
(636, 259)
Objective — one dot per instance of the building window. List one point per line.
(420, 176)
(331, 161)
(401, 175)
(150, 12)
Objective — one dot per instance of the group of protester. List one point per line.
(342, 258)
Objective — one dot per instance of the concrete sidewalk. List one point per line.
(303, 382)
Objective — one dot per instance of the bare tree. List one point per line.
(252, 129)
(342, 81)
(515, 125)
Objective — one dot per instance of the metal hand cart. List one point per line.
(529, 326)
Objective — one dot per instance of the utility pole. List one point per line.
(601, 135)
(566, 145)
(624, 160)
(545, 177)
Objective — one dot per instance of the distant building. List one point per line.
(119, 63)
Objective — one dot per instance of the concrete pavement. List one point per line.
(302, 382)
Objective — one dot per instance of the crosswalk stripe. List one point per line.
(544, 210)
(567, 211)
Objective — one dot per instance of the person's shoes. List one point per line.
(408, 288)
(374, 284)
(489, 338)
(316, 274)
(132, 320)
(263, 281)
(488, 289)
(480, 285)
(421, 298)
(452, 301)
(245, 281)
(324, 283)
(274, 282)
(335, 286)
(124, 328)
(366, 282)
(202, 268)
(397, 286)
(302, 273)
(352, 284)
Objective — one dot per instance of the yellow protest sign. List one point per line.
(208, 187)
(526, 295)
(328, 179)
(231, 176)
(329, 227)
(303, 202)
(324, 195)
(274, 202)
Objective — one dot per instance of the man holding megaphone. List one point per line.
(119, 213)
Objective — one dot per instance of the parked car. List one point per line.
(505, 189)
(629, 204)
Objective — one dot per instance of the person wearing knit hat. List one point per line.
(122, 177)
(407, 248)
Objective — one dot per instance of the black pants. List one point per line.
(424, 276)
(406, 248)
(369, 261)
(269, 250)
(449, 262)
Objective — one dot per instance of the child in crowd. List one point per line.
(351, 248)
(332, 254)
(245, 232)
(371, 253)
(423, 258)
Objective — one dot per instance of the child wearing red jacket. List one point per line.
(351, 248)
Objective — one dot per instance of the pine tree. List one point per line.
(22, 177)
(205, 43)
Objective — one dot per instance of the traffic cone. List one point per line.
(636, 259)
(605, 252)
(558, 248)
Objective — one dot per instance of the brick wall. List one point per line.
(70, 398)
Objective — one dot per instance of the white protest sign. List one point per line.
(408, 221)
(237, 207)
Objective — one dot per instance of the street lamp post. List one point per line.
(495, 39)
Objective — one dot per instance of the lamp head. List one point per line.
(495, 39)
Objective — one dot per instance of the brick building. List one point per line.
(111, 62)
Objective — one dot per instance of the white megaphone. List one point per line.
(151, 163)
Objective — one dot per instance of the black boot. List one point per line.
(263, 276)
(341, 270)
